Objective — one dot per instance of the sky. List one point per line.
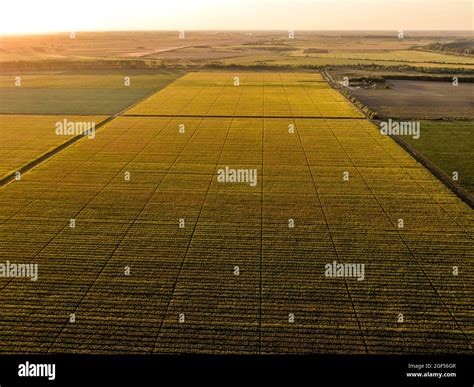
(42, 16)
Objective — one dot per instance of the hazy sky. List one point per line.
(26, 16)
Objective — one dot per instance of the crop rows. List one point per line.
(254, 94)
(24, 138)
(182, 294)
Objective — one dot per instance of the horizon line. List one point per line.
(46, 33)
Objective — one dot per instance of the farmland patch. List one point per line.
(77, 94)
(420, 99)
(164, 258)
(24, 138)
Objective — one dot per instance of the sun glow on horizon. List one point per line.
(49, 16)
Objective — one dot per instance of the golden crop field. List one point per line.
(224, 94)
(218, 267)
(26, 137)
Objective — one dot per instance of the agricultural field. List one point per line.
(419, 99)
(218, 94)
(394, 55)
(93, 94)
(399, 55)
(450, 146)
(384, 75)
(138, 80)
(444, 113)
(97, 45)
(164, 257)
(27, 137)
(299, 58)
(149, 49)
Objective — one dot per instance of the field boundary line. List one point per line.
(51, 153)
(463, 194)
(47, 155)
(54, 114)
(459, 191)
(240, 116)
(427, 192)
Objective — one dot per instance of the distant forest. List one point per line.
(465, 47)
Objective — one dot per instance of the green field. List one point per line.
(95, 80)
(182, 294)
(450, 146)
(68, 101)
(77, 94)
